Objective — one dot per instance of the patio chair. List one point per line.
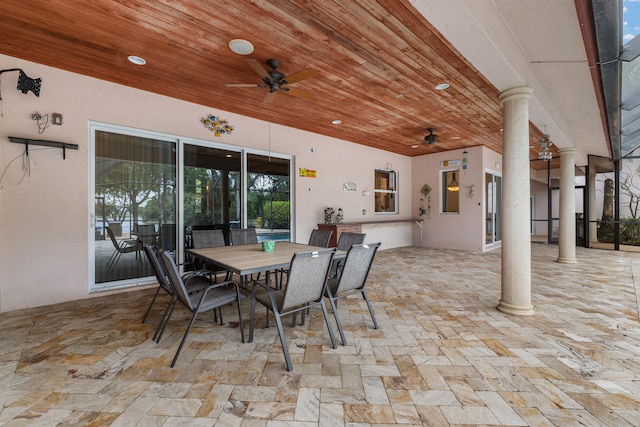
(210, 298)
(305, 288)
(152, 254)
(244, 236)
(351, 280)
(319, 238)
(123, 246)
(209, 239)
(345, 241)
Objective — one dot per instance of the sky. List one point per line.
(631, 19)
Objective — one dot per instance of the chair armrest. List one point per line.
(261, 284)
(218, 285)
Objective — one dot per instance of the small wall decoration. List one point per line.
(447, 163)
(216, 125)
(349, 186)
(470, 191)
(425, 190)
(307, 173)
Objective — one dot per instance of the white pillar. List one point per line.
(593, 215)
(567, 226)
(516, 217)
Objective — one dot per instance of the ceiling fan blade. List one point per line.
(301, 93)
(269, 97)
(258, 68)
(243, 85)
(300, 75)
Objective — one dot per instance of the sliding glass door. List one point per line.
(135, 201)
(156, 189)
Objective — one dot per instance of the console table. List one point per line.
(349, 227)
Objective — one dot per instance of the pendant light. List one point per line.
(453, 185)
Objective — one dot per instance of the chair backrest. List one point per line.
(112, 237)
(158, 270)
(244, 236)
(356, 267)
(168, 237)
(175, 280)
(207, 238)
(347, 239)
(144, 228)
(306, 277)
(320, 238)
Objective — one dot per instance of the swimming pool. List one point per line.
(274, 235)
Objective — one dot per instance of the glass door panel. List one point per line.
(134, 191)
(269, 197)
(493, 203)
(212, 190)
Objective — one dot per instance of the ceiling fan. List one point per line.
(431, 138)
(276, 80)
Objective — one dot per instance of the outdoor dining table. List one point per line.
(246, 260)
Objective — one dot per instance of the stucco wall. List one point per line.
(463, 230)
(44, 213)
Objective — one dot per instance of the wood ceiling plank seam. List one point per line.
(473, 80)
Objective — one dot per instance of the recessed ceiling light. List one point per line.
(415, 146)
(442, 86)
(336, 122)
(241, 46)
(138, 60)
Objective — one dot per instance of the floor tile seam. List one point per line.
(4, 394)
(635, 277)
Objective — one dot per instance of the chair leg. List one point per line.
(184, 338)
(283, 342)
(334, 307)
(240, 315)
(373, 317)
(163, 325)
(326, 320)
(252, 314)
(153, 300)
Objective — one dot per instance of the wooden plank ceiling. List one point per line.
(376, 63)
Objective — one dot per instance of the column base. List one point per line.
(515, 309)
(564, 260)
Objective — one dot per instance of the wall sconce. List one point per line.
(26, 83)
(453, 185)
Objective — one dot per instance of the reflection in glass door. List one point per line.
(493, 213)
(269, 196)
(211, 190)
(135, 201)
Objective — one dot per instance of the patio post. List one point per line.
(567, 228)
(516, 217)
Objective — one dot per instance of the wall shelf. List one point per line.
(45, 143)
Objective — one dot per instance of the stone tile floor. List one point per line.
(443, 354)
